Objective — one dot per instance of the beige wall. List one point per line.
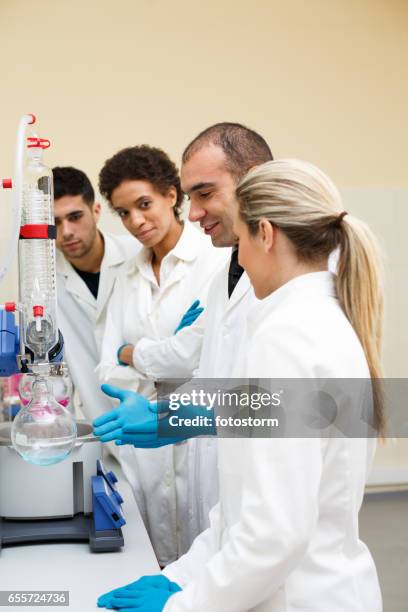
(325, 80)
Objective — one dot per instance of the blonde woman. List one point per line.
(284, 535)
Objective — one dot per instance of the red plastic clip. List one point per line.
(7, 183)
(10, 306)
(43, 143)
(37, 231)
(38, 311)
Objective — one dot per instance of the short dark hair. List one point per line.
(243, 148)
(141, 163)
(72, 182)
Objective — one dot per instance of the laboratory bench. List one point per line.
(73, 567)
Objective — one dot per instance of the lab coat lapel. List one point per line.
(106, 284)
(241, 289)
(73, 282)
(112, 259)
(176, 275)
(185, 250)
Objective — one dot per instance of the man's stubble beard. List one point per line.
(86, 249)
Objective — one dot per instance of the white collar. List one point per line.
(186, 249)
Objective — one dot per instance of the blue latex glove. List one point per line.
(146, 600)
(157, 582)
(164, 430)
(148, 425)
(133, 408)
(190, 316)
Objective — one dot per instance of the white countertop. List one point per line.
(72, 567)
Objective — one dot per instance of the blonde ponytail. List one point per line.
(360, 292)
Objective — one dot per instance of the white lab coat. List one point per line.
(284, 535)
(223, 352)
(81, 319)
(218, 341)
(142, 314)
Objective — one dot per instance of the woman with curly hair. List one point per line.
(170, 273)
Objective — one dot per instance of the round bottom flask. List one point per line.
(43, 432)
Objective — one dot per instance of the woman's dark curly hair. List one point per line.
(142, 163)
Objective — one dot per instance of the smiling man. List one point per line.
(88, 262)
(212, 166)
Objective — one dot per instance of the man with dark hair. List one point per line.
(213, 164)
(88, 262)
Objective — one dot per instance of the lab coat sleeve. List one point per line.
(174, 357)
(108, 369)
(278, 514)
(189, 566)
(178, 356)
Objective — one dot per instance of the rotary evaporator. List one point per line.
(53, 485)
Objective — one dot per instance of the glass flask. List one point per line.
(43, 432)
(61, 389)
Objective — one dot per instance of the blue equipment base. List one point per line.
(78, 528)
(102, 528)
